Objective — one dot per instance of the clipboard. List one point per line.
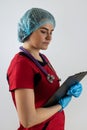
(61, 92)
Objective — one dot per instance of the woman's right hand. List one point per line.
(65, 101)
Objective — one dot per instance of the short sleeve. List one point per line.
(21, 76)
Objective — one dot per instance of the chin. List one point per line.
(44, 48)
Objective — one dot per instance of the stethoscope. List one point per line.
(50, 77)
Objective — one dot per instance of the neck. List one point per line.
(33, 51)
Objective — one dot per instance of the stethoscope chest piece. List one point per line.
(50, 78)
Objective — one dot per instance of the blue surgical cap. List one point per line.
(32, 20)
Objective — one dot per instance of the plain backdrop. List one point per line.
(67, 53)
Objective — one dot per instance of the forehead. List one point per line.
(47, 27)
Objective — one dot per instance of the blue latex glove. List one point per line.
(75, 90)
(65, 101)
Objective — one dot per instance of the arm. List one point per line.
(27, 113)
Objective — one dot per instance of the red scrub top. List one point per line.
(23, 73)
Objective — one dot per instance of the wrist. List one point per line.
(60, 108)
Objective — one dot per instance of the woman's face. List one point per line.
(41, 38)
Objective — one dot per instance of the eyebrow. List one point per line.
(46, 28)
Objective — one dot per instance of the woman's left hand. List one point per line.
(75, 90)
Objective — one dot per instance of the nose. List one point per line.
(48, 37)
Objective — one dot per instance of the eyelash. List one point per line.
(45, 32)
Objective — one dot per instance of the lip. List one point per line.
(46, 43)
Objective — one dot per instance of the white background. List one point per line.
(67, 52)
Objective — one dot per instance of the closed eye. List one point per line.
(43, 31)
(46, 32)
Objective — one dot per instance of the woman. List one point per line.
(32, 80)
